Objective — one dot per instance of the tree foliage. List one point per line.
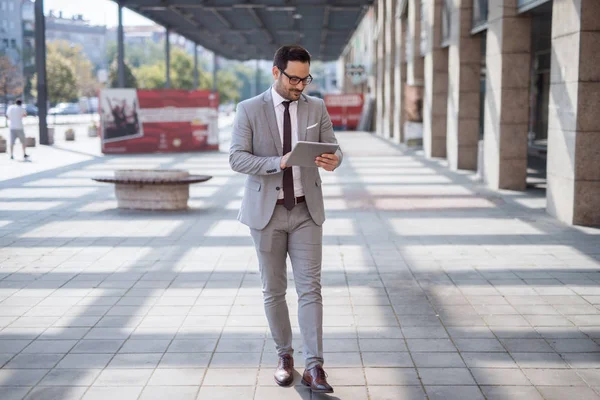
(11, 79)
(87, 84)
(61, 79)
(113, 76)
(137, 54)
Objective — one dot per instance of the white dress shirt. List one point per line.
(279, 110)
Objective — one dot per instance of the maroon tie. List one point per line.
(289, 200)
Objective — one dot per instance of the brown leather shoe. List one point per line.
(316, 379)
(284, 374)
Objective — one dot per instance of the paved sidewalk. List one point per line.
(434, 287)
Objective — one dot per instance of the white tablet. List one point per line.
(305, 153)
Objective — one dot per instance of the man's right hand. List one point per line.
(284, 159)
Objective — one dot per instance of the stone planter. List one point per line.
(92, 131)
(70, 135)
(153, 189)
(29, 141)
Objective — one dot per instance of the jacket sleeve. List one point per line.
(327, 135)
(241, 158)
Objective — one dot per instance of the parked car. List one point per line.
(65, 109)
(30, 109)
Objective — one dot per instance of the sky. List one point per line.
(98, 12)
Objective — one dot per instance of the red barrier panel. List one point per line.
(153, 121)
(344, 109)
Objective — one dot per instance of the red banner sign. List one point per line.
(344, 109)
(153, 121)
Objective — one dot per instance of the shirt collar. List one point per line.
(277, 99)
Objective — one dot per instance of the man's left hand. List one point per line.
(328, 162)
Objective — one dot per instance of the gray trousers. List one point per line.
(294, 233)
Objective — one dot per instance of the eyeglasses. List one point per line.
(294, 80)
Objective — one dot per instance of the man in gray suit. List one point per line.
(283, 205)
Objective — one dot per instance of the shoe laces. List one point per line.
(287, 361)
(321, 374)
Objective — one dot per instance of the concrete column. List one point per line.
(120, 48)
(508, 61)
(414, 60)
(464, 68)
(196, 74)
(435, 93)
(574, 113)
(380, 77)
(413, 89)
(399, 78)
(167, 58)
(215, 71)
(40, 68)
(388, 92)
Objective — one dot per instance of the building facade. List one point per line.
(11, 30)
(509, 88)
(78, 31)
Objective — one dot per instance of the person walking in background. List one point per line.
(15, 114)
(283, 205)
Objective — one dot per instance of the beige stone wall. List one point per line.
(380, 106)
(507, 96)
(464, 65)
(390, 54)
(399, 79)
(574, 113)
(435, 97)
(415, 61)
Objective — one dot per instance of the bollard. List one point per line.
(69, 134)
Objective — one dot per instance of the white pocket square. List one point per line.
(312, 126)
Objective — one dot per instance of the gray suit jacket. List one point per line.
(256, 150)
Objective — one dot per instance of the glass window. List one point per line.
(424, 28)
(3, 7)
(480, 14)
(446, 22)
(11, 6)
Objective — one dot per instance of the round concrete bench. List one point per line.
(153, 189)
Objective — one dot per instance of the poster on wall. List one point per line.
(154, 121)
(344, 110)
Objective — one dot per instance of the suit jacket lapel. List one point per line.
(269, 111)
(302, 118)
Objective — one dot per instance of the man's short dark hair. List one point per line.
(290, 53)
(19, 102)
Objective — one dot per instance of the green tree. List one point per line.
(182, 73)
(151, 76)
(182, 70)
(87, 83)
(113, 76)
(138, 54)
(60, 78)
(11, 80)
(228, 86)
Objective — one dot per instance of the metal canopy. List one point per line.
(255, 29)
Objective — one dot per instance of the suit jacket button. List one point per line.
(277, 188)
